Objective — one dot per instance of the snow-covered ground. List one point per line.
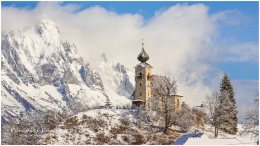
(223, 139)
(107, 126)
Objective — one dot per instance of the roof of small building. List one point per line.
(137, 100)
(177, 95)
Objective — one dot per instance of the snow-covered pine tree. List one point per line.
(228, 109)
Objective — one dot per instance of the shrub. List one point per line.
(102, 139)
(138, 139)
(125, 121)
(73, 121)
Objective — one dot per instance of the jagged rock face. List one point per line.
(125, 84)
(42, 72)
(91, 78)
(48, 73)
(36, 57)
(12, 58)
(38, 54)
(8, 72)
(118, 81)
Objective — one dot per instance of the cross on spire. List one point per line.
(142, 43)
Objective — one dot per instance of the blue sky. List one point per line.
(246, 31)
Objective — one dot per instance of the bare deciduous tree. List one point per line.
(163, 88)
(183, 118)
(213, 105)
(252, 120)
(199, 118)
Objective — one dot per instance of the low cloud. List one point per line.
(178, 39)
(236, 52)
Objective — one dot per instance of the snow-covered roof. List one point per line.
(143, 65)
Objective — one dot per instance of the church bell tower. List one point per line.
(143, 74)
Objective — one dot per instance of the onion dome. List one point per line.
(143, 56)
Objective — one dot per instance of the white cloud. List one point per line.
(230, 51)
(230, 17)
(178, 39)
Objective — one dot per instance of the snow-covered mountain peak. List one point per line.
(40, 71)
(39, 44)
(47, 26)
(49, 32)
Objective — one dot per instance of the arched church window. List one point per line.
(140, 75)
(178, 103)
(140, 94)
(148, 76)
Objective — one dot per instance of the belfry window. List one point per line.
(148, 77)
(178, 103)
(140, 76)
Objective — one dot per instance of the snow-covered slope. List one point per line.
(223, 138)
(107, 126)
(42, 72)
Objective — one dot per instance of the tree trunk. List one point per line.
(165, 124)
(165, 129)
(216, 132)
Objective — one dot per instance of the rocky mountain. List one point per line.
(40, 72)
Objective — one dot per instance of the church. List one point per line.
(143, 81)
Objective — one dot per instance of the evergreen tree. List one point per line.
(227, 107)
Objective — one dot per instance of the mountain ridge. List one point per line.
(42, 72)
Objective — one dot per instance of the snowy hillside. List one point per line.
(42, 72)
(107, 126)
(223, 139)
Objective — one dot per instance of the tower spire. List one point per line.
(142, 43)
(143, 56)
